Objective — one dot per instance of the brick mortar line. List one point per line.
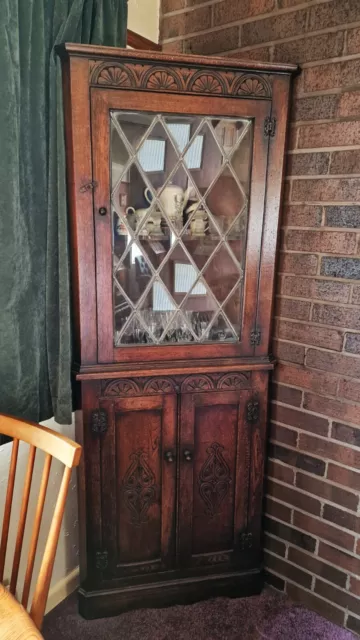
(346, 305)
(321, 254)
(313, 277)
(314, 346)
(334, 327)
(319, 275)
(312, 593)
(317, 577)
(260, 17)
(323, 176)
(255, 18)
(307, 453)
(324, 203)
(292, 386)
(320, 324)
(304, 5)
(321, 415)
(317, 537)
(299, 152)
(294, 124)
(322, 500)
(310, 475)
(333, 91)
(322, 478)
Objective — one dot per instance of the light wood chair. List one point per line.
(68, 452)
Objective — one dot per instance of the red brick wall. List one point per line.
(312, 506)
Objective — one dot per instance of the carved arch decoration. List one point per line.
(234, 381)
(160, 385)
(197, 383)
(122, 387)
(179, 79)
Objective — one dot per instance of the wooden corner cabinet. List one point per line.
(174, 169)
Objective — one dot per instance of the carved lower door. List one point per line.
(214, 479)
(138, 485)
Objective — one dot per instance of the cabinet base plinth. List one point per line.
(98, 604)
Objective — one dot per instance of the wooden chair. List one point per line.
(68, 452)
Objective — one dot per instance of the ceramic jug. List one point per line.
(173, 199)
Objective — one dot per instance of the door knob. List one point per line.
(169, 456)
(103, 211)
(187, 455)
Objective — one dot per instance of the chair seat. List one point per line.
(15, 622)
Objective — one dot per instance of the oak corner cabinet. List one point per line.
(174, 169)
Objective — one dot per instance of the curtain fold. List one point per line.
(35, 325)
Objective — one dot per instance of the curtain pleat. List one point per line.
(35, 317)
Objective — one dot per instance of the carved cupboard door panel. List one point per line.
(139, 485)
(214, 478)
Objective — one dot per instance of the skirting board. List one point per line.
(59, 591)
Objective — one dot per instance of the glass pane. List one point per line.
(180, 198)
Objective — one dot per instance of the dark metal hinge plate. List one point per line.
(246, 541)
(252, 411)
(101, 560)
(99, 421)
(255, 338)
(88, 186)
(270, 126)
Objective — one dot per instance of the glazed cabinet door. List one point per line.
(178, 217)
(214, 479)
(138, 485)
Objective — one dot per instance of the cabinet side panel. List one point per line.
(80, 200)
(258, 450)
(274, 188)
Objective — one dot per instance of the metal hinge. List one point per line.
(255, 338)
(246, 540)
(101, 560)
(270, 126)
(88, 186)
(99, 421)
(252, 411)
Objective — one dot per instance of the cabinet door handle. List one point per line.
(169, 456)
(187, 455)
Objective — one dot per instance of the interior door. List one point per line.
(138, 484)
(178, 215)
(214, 478)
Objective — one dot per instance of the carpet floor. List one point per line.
(270, 616)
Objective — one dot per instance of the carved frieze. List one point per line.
(173, 384)
(159, 77)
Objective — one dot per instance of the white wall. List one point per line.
(144, 19)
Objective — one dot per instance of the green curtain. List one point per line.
(35, 321)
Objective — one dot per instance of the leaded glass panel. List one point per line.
(180, 198)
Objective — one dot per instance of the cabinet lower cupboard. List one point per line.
(174, 170)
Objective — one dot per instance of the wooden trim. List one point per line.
(136, 41)
(95, 51)
(102, 372)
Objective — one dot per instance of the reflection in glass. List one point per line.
(180, 195)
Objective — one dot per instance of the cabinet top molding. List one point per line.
(116, 53)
